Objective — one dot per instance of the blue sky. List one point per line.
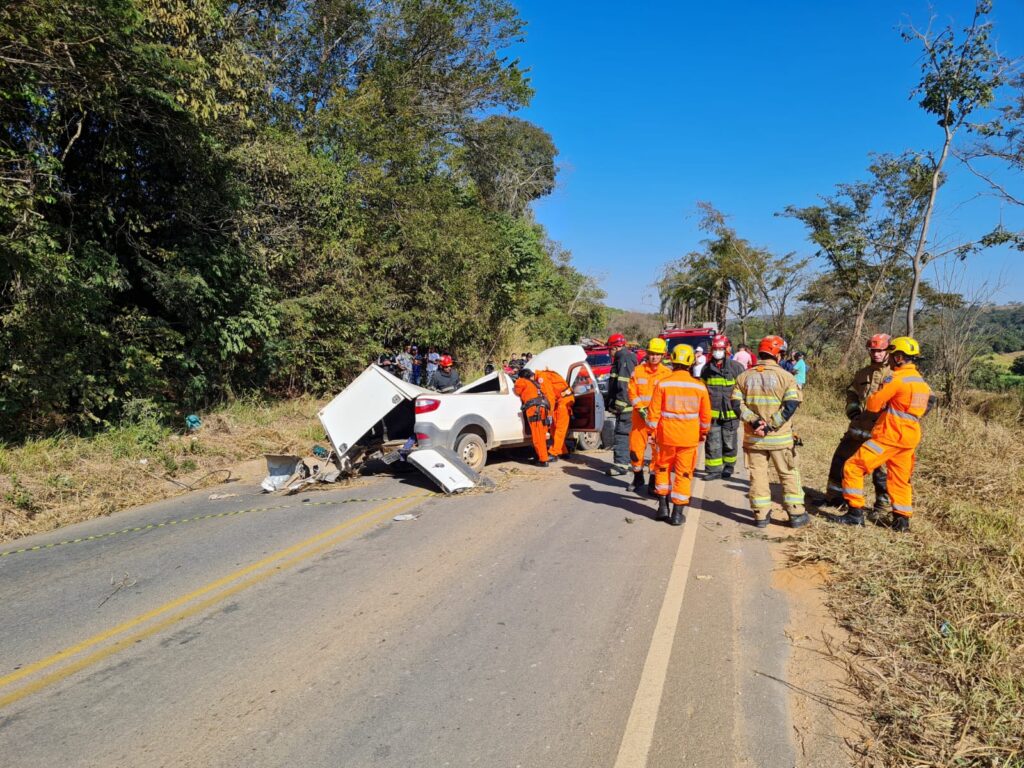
(750, 105)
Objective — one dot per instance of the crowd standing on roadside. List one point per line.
(668, 408)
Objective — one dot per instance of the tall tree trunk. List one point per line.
(922, 241)
(858, 329)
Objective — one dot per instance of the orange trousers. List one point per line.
(678, 459)
(539, 436)
(562, 417)
(639, 437)
(898, 461)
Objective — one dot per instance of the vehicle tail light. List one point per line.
(427, 404)
(422, 438)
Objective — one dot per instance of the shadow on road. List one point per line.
(615, 502)
(594, 475)
(726, 510)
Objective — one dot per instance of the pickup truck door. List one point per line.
(588, 410)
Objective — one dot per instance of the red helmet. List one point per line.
(773, 345)
(445, 361)
(616, 340)
(879, 342)
(721, 341)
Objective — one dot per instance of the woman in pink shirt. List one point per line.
(743, 356)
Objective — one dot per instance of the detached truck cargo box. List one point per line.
(374, 409)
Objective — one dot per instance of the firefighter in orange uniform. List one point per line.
(641, 386)
(562, 402)
(680, 415)
(901, 402)
(535, 395)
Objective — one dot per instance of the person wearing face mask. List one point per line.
(719, 375)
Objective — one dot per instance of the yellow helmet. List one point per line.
(657, 346)
(682, 354)
(906, 345)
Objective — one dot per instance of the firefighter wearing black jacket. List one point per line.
(617, 400)
(719, 375)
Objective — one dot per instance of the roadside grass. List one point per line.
(53, 482)
(936, 618)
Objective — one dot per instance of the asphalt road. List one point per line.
(549, 623)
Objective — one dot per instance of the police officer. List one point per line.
(766, 397)
(623, 364)
(719, 374)
(866, 382)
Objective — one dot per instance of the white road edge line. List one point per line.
(639, 734)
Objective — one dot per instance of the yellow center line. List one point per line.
(370, 518)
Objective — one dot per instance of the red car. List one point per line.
(695, 337)
(599, 359)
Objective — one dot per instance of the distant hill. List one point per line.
(1003, 327)
(635, 326)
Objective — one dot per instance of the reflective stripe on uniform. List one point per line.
(761, 501)
(660, 487)
(640, 381)
(729, 459)
(872, 446)
(652, 424)
(902, 508)
(834, 487)
(902, 414)
(722, 414)
(913, 378)
(718, 381)
(713, 462)
(763, 399)
(791, 394)
(678, 498)
(793, 499)
(681, 416)
(681, 384)
(853, 491)
(860, 433)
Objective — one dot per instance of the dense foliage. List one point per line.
(200, 198)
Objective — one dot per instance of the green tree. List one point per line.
(959, 76)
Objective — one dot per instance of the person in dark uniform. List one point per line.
(617, 399)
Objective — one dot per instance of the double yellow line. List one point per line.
(180, 608)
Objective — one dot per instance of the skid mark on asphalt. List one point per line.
(195, 519)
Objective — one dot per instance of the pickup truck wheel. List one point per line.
(472, 449)
(588, 441)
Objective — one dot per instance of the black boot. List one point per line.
(799, 521)
(615, 470)
(851, 517)
(678, 518)
(638, 481)
(900, 523)
(651, 482)
(727, 471)
(663, 508)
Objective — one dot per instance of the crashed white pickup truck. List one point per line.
(378, 408)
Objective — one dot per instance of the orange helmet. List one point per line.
(773, 345)
(616, 340)
(721, 341)
(445, 361)
(879, 342)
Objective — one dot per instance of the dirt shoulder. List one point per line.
(47, 484)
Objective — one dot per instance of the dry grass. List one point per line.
(46, 484)
(936, 618)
